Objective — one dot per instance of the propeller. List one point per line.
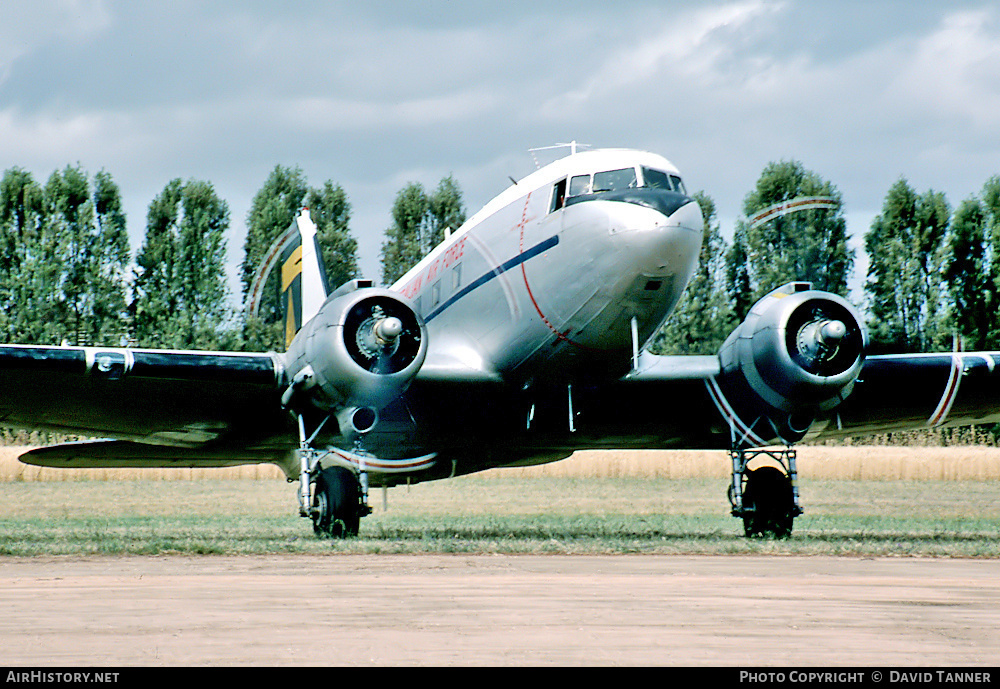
(386, 333)
(818, 341)
(379, 337)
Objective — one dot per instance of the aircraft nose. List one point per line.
(663, 242)
(688, 217)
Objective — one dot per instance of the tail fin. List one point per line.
(303, 277)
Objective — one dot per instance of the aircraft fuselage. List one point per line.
(556, 283)
(546, 280)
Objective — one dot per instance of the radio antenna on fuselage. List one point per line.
(572, 145)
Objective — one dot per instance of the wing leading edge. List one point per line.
(912, 391)
(180, 399)
(892, 393)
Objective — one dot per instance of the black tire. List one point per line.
(338, 497)
(767, 497)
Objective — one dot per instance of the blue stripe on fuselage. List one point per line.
(496, 272)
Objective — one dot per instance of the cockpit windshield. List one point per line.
(625, 178)
(657, 179)
(615, 180)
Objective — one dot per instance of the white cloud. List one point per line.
(330, 114)
(29, 25)
(953, 72)
(55, 140)
(693, 47)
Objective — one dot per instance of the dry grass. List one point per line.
(861, 463)
(592, 503)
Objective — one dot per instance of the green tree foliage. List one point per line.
(331, 212)
(809, 245)
(991, 202)
(21, 207)
(402, 249)
(972, 270)
(991, 209)
(90, 224)
(738, 274)
(180, 293)
(419, 222)
(65, 254)
(272, 211)
(704, 315)
(971, 290)
(23, 301)
(445, 212)
(904, 289)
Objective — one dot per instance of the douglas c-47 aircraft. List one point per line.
(518, 340)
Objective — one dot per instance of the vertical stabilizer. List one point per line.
(303, 287)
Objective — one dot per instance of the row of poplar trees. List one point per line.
(67, 276)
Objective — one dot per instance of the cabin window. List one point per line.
(614, 180)
(456, 276)
(558, 196)
(436, 294)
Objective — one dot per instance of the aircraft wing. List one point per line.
(909, 391)
(181, 399)
(891, 393)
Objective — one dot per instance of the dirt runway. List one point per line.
(499, 610)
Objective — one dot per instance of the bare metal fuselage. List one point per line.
(540, 299)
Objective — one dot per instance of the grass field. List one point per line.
(858, 501)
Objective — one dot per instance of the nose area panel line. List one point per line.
(661, 200)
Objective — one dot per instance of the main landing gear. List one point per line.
(766, 498)
(337, 503)
(334, 497)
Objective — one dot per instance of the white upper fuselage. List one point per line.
(548, 276)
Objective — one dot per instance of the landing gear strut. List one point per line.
(335, 497)
(766, 498)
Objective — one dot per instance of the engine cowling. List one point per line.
(361, 349)
(798, 353)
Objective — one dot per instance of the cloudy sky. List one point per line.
(377, 94)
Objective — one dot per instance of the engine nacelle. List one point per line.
(361, 350)
(797, 353)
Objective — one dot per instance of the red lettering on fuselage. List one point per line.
(451, 256)
(454, 252)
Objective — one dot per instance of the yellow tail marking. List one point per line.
(291, 268)
(290, 328)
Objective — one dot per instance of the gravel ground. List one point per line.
(499, 610)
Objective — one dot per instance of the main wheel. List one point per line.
(769, 504)
(337, 500)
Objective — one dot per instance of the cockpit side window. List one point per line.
(579, 185)
(558, 196)
(614, 180)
